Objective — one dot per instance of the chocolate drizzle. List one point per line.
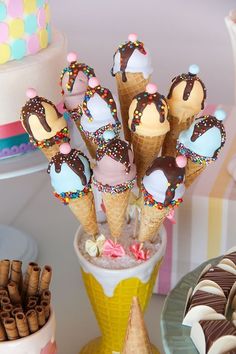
(190, 80)
(34, 106)
(221, 277)
(203, 124)
(73, 69)
(118, 150)
(216, 302)
(231, 256)
(174, 174)
(73, 161)
(126, 50)
(106, 95)
(215, 329)
(144, 99)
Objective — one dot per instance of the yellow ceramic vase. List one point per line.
(111, 292)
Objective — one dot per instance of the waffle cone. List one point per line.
(176, 127)
(92, 148)
(146, 148)
(193, 170)
(51, 151)
(151, 220)
(116, 205)
(137, 340)
(84, 210)
(127, 90)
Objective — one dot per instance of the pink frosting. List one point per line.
(112, 172)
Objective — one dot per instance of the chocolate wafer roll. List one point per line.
(5, 301)
(4, 315)
(32, 319)
(41, 315)
(45, 279)
(22, 325)
(3, 335)
(14, 292)
(27, 276)
(16, 310)
(7, 308)
(46, 306)
(32, 298)
(4, 272)
(16, 272)
(3, 292)
(33, 281)
(46, 295)
(11, 329)
(31, 305)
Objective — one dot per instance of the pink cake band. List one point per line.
(11, 129)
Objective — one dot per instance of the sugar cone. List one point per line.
(151, 220)
(193, 170)
(84, 210)
(137, 340)
(116, 205)
(135, 84)
(50, 151)
(92, 148)
(146, 149)
(176, 127)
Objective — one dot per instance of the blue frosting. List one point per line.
(206, 145)
(31, 24)
(18, 49)
(3, 11)
(40, 3)
(67, 180)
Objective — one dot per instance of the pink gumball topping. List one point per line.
(132, 37)
(93, 82)
(151, 88)
(72, 56)
(65, 148)
(181, 161)
(31, 93)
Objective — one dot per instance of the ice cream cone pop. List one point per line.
(114, 176)
(132, 69)
(201, 144)
(162, 190)
(185, 99)
(70, 174)
(46, 127)
(74, 82)
(148, 124)
(99, 116)
(136, 340)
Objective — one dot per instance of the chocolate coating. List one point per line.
(221, 277)
(174, 174)
(216, 302)
(73, 69)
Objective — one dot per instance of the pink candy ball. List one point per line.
(72, 56)
(132, 37)
(93, 82)
(65, 148)
(151, 88)
(181, 161)
(31, 93)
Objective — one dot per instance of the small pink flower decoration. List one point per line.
(50, 348)
(112, 249)
(171, 216)
(138, 251)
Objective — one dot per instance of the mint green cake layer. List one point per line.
(175, 336)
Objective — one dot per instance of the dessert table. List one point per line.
(30, 206)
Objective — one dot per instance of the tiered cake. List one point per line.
(31, 54)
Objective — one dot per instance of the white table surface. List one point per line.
(27, 203)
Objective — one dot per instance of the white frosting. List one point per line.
(206, 145)
(34, 343)
(67, 180)
(41, 71)
(137, 63)
(157, 184)
(100, 112)
(110, 278)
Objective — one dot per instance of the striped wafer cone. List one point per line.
(193, 170)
